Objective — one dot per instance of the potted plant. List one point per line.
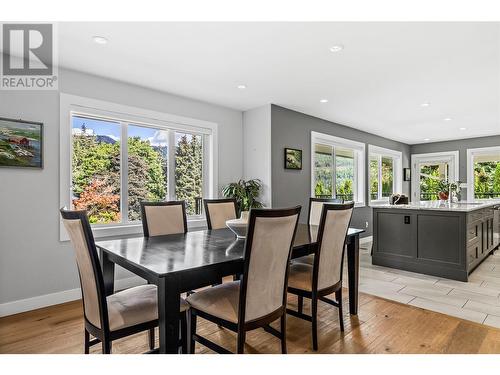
(246, 194)
(445, 189)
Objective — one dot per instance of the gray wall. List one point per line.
(32, 260)
(293, 129)
(461, 145)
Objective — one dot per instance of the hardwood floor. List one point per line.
(382, 326)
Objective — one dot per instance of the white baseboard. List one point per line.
(367, 239)
(28, 304)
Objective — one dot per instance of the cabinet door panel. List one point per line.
(439, 238)
(394, 235)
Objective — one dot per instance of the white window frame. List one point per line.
(359, 162)
(75, 105)
(397, 171)
(451, 157)
(471, 153)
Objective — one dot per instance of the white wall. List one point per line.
(257, 148)
(32, 260)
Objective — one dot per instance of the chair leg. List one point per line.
(314, 315)
(283, 333)
(151, 337)
(241, 342)
(184, 337)
(300, 304)
(87, 342)
(106, 346)
(192, 331)
(338, 297)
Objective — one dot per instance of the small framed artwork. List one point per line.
(406, 174)
(293, 159)
(21, 143)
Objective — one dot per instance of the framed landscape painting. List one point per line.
(293, 158)
(21, 143)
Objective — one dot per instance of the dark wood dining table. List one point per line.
(178, 263)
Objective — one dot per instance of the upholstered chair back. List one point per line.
(78, 228)
(334, 224)
(267, 252)
(162, 218)
(316, 206)
(218, 211)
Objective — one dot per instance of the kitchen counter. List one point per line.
(461, 206)
(436, 238)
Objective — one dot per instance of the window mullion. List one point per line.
(334, 174)
(124, 172)
(171, 165)
(379, 192)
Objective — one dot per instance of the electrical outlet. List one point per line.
(366, 224)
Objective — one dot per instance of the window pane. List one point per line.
(344, 174)
(430, 176)
(147, 167)
(387, 176)
(373, 178)
(323, 169)
(487, 176)
(96, 169)
(189, 171)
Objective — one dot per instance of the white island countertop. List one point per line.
(462, 206)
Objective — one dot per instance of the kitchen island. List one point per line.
(435, 237)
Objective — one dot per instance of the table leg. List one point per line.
(108, 273)
(353, 273)
(168, 314)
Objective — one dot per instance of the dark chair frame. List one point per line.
(206, 202)
(164, 203)
(242, 327)
(314, 295)
(104, 335)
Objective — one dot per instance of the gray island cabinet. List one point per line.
(435, 238)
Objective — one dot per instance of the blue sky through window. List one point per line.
(112, 130)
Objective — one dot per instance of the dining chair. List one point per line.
(324, 276)
(260, 297)
(218, 211)
(313, 219)
(315, 207)
(117, 315)
(162, 218)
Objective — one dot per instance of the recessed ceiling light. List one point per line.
(427, 139)
(100, 40)
(242, 87)
(323, 100)
(463, 129)
(424, 104)
(447, 119)
(336, 48)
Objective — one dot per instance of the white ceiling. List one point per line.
(376, 83)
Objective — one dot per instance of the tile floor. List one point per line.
(477, 300)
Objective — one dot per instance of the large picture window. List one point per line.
(97, 169)
(483, 173)
(385, 172)
(337, 168)
(117, 161)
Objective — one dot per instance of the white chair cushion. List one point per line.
(300, 276)
(308, 259)
(221, 301)
(134, 306)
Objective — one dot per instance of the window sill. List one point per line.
(130, 229)
(378, 201)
